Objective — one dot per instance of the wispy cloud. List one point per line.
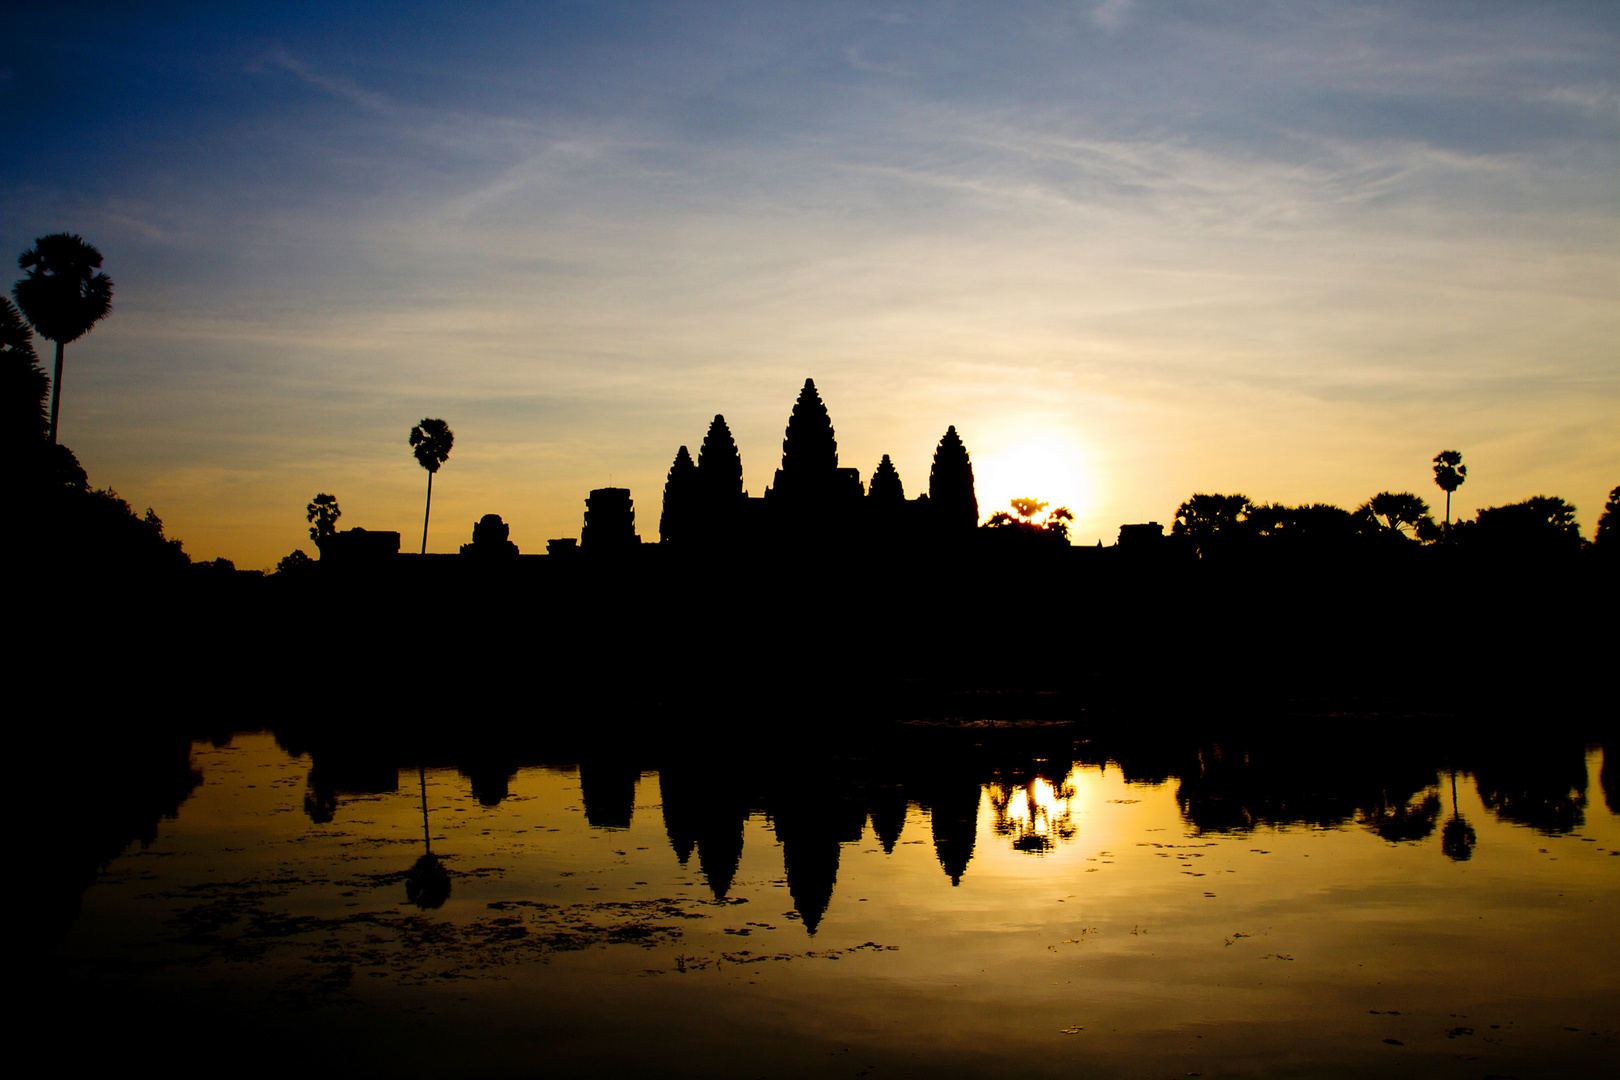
(1110, 14)
(332, 84)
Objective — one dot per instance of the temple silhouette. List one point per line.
(812, 500)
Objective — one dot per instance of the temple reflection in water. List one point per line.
(818, 806)
(630, 904)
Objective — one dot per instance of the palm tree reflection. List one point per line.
(427, 885)
(1456, 836)
(1036, 813)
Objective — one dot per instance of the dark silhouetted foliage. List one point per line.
(1053, 529)
(1316, 526)
(1211, 521)
(431, 441)
(323, 513)
(1392, 514)
(27, 388)
(99, 529)
(1607, 536)
(294, 562)
(1542, 526)
(62, 296)
(951, 496)
(1449, 474)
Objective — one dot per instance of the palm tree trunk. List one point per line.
(426, 513)
(1448, 509)
(56, 391)
(421, 773)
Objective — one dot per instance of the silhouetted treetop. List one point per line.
(431, 441)
(1541, 525)
(810, 446)
(1395, 513)
(681, 500)
(886, 486)
(1318, 523)
(1608, 526)
(1449, 474)
(63, 295)
(26, 388)
(1204, 518)
(1053, 529)
(719, 466)
(322, 513)
(950, 484)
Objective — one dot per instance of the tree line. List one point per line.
(1543, 525)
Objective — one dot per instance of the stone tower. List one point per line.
(610, 522)
(950, 486)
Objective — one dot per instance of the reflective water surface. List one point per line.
(1161, 911)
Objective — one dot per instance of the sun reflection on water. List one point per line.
(1036, 813)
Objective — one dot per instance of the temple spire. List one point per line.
(886, 486)
(681, 500)
(719, 466)
(810, 447)
(950, 485)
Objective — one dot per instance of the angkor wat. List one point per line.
(812, 500)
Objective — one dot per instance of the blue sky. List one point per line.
(1131, 250)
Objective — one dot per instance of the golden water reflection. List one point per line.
(620, 919)
(1037, 814)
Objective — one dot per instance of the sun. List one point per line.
(1050, 466)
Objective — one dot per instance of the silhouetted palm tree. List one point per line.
(1210, 520)
(1399, 511)
(24, 386)
(432, 440)
(1449, 474)
(63, 296)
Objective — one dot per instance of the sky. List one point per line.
(1131, 250)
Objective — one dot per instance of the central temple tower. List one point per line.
(810, 480)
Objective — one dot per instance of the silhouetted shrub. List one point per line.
(1607, 536)
(1541, 526)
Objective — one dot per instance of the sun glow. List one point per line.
(1049, 466)
(1037, 815)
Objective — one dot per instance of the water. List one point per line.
(1215, 916)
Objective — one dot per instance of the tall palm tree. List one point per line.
(63, 295)
(431, 439)
(1449, 474)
